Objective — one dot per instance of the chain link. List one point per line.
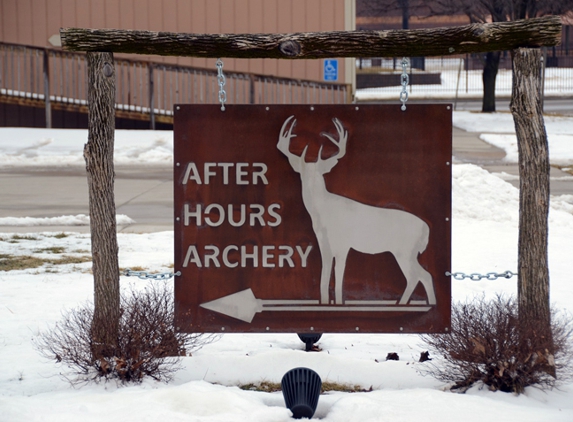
(458, 275)
(477, 276)
(404, 80)
(145, 275)
(221, 80)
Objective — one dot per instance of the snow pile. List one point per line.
(64, 220)
(473, 189)
(64, 147)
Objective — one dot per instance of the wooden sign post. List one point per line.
(520, 36)
(98, 153)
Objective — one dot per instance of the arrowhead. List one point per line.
(241, 305)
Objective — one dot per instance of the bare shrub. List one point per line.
(488, 344)
(148, 344)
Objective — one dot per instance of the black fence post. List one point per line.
(151, 98)
(47, 103)
(251, 89)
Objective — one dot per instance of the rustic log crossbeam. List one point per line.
(473, 38)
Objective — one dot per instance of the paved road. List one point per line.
(468, 148)
(562, 106)
(143, 194)
(146, 194)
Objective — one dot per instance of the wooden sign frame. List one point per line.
(523, 37)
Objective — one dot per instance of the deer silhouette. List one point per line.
(341, 223)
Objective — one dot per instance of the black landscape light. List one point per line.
(309, 339)
(301, 388)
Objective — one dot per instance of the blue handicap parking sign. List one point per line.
(331, 70)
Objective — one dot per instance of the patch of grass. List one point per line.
(13, 262)
(66, 259)
(345, 388)
(567, 169)
(264, 386)
(272, 387)
(15, 238)
(61, 235)
(52, 249)
(135, 268)
(20, 237)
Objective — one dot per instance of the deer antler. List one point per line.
(326, 165)
(342, 136)
(285, 136)
(283, 145)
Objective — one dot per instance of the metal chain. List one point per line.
(477, 276)
(458, 275)
(221, 80)
(145, 275)
(405, 79)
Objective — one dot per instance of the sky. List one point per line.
(484, 239)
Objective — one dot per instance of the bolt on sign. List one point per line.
(295, 218)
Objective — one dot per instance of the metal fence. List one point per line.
(460, 77)
(145, 90)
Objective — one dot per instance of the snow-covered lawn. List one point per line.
(484, 237)
(455, 82)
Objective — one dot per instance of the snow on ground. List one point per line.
(498, 129)
(484, 239)
(64, 220)
(64, 147)
(455, 82)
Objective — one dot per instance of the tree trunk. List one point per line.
(98, 153)
(533, 279)
(489, 77)
(405, 5)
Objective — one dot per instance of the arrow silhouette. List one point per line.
(244, 305)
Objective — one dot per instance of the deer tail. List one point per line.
(424, 238)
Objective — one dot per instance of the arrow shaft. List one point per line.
(270, 302)
(339, 308)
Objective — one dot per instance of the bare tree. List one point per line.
(405, 8)
(496, 11)
(477, 11)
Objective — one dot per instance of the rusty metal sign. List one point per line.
(292, 218)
